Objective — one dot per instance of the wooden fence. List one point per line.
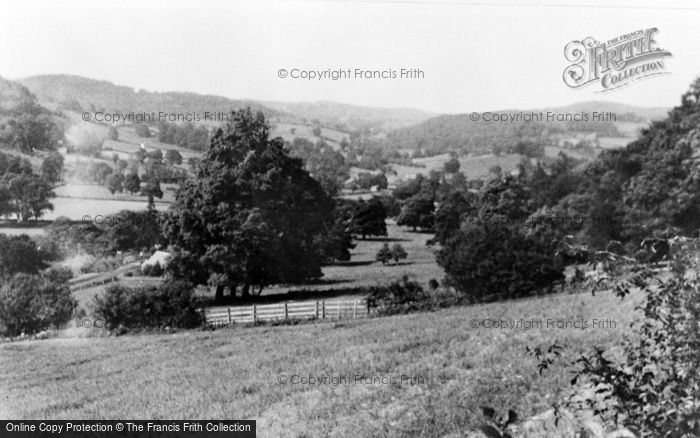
(322, 309)
(98, 279)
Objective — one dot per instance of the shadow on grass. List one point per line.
(352, 264)
(297, 294)
(389, 265)
(26, 224)
(383, 239)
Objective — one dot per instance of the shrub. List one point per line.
(32, 303)
(20, 254)
(492, 258)
(655, 389)
(401, 296)
(398, 252)
(170, 304)
(384, 254)
(142, 130)
(154, 270)
(103, 264)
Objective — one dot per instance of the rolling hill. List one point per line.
(457, 132)
(353, 116)
(83, 94)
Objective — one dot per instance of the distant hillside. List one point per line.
(78, 93)
(15, 99)
(459, 133)
(621, 110)
(352, 116)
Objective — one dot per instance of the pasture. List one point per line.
(81, 208)
(284, 130)
(423, 374)
(473, 167)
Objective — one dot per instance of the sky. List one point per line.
(474, 55)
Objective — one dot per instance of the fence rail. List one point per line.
(320, 309)
(101, 278)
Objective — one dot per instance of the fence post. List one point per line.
(323, 309)
(354, 309)
(316, 309)
(286, 311)
(255, 313)
(229, 315)
(367, 301)
(339, 302)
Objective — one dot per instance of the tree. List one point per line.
(31, 133)
(173, 157)
(134, 230)
(316, 130)
(30, 195)
(251, 217)
(507, 197)
(31, 303)
(369, 219)
(398, 252)
(384, 254)
(452, 165)
(115, 183)
(132, 183)
(366, 181)
(417, 212)
(141, 154)
(51, 168)
(156, 155)
(122, 165)
(452, 211)
(152, 190)
(411, 188)
(98, 172)
(20, 254)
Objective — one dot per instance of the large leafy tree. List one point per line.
(51, 167)
(30, 195)
(20, 254)
(251, 217)
(369, 218)
(418, 211)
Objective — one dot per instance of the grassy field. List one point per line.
(77, 208)
(235, 373)
(284, 130)
(473, 167)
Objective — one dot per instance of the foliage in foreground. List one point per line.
(655, 390)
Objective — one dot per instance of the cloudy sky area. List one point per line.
(476, 57)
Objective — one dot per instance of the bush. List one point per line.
(384, 254)
(155, 270)
(655, 389)
(403, 296)
(170, 304)
(104, 264)
(142, 130)
(32, 303)
(493, 258)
